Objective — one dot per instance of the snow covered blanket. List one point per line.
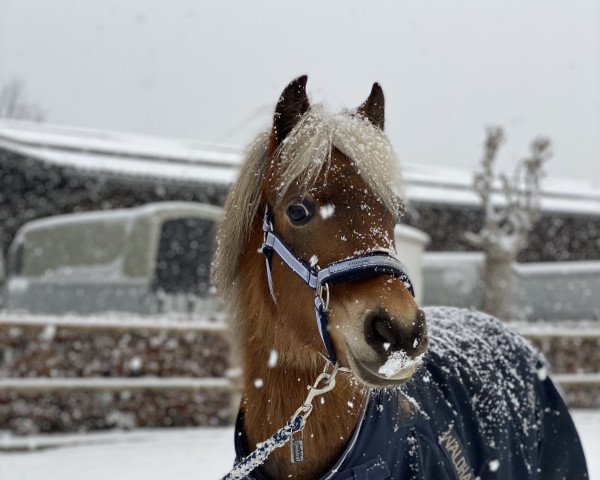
(481, 406)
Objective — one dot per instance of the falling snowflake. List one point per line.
(273, 358)
(327, 211)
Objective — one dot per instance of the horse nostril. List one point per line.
(382, 333)
(384, 329)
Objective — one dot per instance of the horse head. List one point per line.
(329, 184)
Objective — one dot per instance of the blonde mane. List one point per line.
(304, 153)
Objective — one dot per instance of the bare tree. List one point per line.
(511, 207)
(14, 103)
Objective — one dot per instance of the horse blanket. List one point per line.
(481, 406)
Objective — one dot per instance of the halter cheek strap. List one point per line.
(349, 269)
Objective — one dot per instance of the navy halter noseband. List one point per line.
(319, 279)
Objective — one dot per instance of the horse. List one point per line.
(328, 325)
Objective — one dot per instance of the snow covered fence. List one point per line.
(65, 373)
(123, 323)
(572, 348)
(116, 384)
(579, 379)
(559, 330)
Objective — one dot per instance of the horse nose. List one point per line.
(386, 334)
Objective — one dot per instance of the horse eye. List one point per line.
(300, 212)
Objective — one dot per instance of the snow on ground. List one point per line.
(184, 454)
(157, 454)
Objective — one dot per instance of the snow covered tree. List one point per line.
(14, 103)
(511, 207)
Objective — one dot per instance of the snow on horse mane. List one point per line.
(307, 150)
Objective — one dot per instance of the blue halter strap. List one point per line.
(319, 279)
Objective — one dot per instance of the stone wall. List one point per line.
(573, 355)
(31, 189)
(557, 237)
(86, 353)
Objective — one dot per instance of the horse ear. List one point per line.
(374, 107)
(292, 104)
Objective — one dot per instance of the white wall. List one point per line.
(541, 291)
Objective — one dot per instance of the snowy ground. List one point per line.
(182, 454)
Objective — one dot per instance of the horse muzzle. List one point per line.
(389, 351)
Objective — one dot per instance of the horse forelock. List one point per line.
(303, 155)
(306, 153)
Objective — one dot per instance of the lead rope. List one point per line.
(295, 424)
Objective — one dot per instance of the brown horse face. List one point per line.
(376, 327)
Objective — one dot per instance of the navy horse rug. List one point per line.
(481, 406)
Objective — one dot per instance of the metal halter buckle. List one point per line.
(266, 233)
(320, 289)
(328, 380)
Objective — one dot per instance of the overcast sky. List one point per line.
(213, 70)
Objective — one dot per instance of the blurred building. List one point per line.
(47, 170)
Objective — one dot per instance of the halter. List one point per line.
(319, 279)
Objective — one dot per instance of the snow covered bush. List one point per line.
(511, 206)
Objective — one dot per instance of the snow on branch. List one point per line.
(510, 203)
